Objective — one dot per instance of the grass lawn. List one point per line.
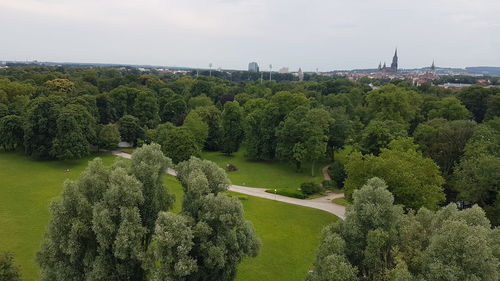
(289, 233)
(266, 174)
(26, 189)
(340, 201)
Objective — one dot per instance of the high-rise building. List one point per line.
(253, 67)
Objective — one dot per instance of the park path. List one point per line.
(322, 203)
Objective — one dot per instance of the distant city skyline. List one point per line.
(317, 34)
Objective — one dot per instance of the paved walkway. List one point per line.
(326, 175)
(321, 203)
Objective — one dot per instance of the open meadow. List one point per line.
(289, 233)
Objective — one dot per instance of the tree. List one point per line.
(380, 242)
(260, 132)
(172, 106)
(122, 100)
(475, 99)
(178, 143)
(212, 116)
(232, 127)
(100, 227)
(11, 132)
(444, 141)
(210, 237)
(198, 101)
(64, 86)
(379, 133)
(129, 127)
(414, 180)
(493, 107)
(198, 128)
(8, 270)
(391, 102)
(361, 244)
(302, 136)
(146, 109)
(108, 136)
(41, 126)
(70, 141)
(449, 108)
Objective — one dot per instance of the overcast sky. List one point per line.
(323, 34)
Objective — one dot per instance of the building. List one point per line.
(394, 65)
(253, 67)
(300, 74)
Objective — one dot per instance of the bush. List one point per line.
(310, 188)
(337, 173)
(329, 184)
(288, 192)
(8, 270)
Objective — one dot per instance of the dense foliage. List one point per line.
(65, 112)
(378, 241)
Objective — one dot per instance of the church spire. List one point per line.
(394, 64)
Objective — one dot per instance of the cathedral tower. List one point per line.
(394, 64)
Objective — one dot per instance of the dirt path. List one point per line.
(326, 175)
(321, 203)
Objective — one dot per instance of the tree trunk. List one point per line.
(312, 169)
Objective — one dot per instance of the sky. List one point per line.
(311, 34)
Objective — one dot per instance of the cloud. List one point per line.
(324, 34)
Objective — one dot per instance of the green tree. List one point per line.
(449, 108)
(198, 101)
(8, 270)
(260, 132)
(41, 126)
(146, 109)
(100, 227)
(198, 128)
(178, 143)
(212, 116)
(414, 180)
(232, 127)
(130, 129)
(171, 105)
(11, 132)
(391, 102)
(70, 141)
(210, 237)
(475, 99)
(379, 133)
(493, 107)
(302, 136)
(108, 136)
(444, 141)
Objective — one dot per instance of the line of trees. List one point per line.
(63, 112)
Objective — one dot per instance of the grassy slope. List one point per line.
(267, 174)
(289, 233)
(26, 189)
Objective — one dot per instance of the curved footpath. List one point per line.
(322, 203)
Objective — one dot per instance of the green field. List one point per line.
(289, 233)
(266, 174)
(340, 201)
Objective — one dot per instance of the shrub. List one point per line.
(288, 192)
(8, 270)
(309, 188)
(329, 184)
(337, 173)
